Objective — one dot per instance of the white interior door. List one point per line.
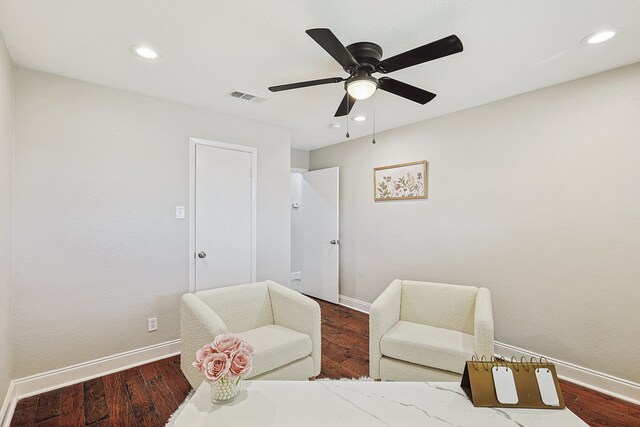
(320, 234)
(224, 247)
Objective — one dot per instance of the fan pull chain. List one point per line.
(374, 119)
(347, 135)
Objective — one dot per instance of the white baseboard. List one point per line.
(8, 406)
(40, 383)
(51, 380)
(605, 383)
(354, 303)
(608, 384)
(295, 275)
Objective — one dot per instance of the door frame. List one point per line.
(193, 142)
(292, 171)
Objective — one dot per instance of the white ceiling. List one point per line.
(210, 47)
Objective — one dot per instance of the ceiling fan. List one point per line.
(362, 59)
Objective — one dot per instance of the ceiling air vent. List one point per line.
(246, 96)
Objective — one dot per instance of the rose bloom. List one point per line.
(215, 366)
(201, 355)
(241, 362)
(227, 343)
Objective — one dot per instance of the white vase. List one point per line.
(225, 390)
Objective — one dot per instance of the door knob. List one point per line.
(335, 242)
(202, 254)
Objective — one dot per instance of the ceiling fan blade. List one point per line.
(306, 84)
(434, 50)
(404, 90)
(345, 106)
(329, 42)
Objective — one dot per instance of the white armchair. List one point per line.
(422, 331)
(282, 325)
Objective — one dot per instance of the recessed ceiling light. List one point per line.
(600, 36)
(144, 51)
(359, 118)
(335, 125)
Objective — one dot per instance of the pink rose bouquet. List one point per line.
(228, 356)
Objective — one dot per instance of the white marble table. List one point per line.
(358, 403)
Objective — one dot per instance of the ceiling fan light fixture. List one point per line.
(362, 87)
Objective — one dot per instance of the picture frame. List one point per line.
(405, 181)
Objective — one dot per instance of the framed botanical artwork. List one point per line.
(400, 182)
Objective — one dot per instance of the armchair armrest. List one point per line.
(383, 315)
(483, 324)
(299, 313)
(199, 325)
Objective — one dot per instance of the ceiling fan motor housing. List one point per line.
(367, 54)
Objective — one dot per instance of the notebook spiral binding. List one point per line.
(526, 364)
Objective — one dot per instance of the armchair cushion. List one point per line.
(275, 346)
(427, 345)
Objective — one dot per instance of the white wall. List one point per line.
(536, 197)
(6, 172)
(299, 159)
(296, 223)
(97, 248)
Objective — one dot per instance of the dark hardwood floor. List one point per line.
(147, 395)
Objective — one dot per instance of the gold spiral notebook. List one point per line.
(512, 383)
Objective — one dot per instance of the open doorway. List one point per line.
(296, 229)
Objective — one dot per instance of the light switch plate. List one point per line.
(180, 212)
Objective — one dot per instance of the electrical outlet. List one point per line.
(152, 324)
